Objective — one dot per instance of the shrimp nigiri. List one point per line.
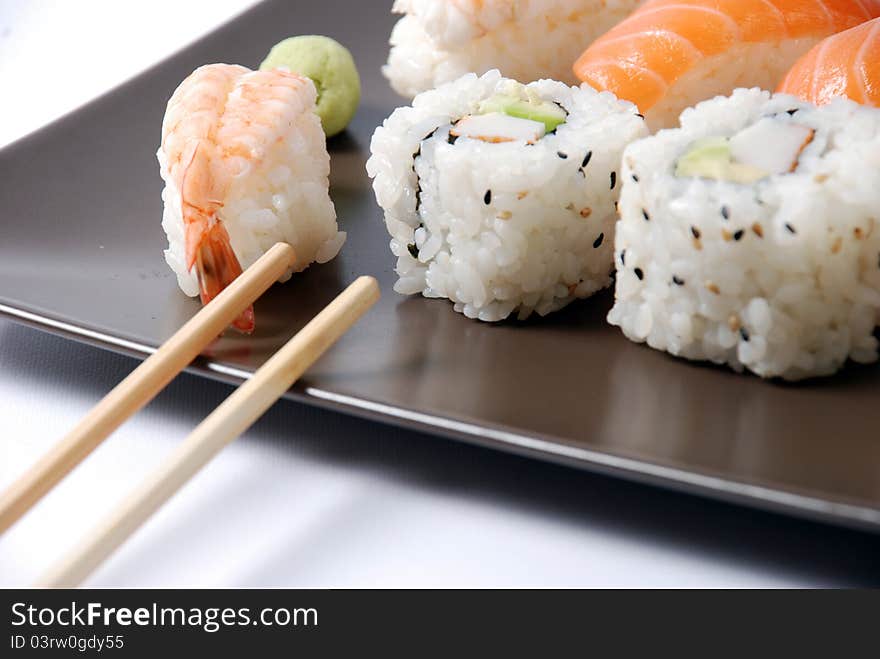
(846, 64)
(241, 151)
(670, 54)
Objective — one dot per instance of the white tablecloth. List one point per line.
(308, 498)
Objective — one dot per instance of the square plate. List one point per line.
(81, 255)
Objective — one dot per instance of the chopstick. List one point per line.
(235, 415)
(143, 384)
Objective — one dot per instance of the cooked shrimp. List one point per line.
(220, 124)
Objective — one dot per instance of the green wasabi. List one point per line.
(710, 157)
(549, 114)
(331, 67)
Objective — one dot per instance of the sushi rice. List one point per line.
(502, 228)
(780, 276)
(437, 41)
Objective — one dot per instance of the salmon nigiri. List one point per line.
(845, 64)
(670, 54)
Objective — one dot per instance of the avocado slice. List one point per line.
(710, 157)
(533, 109)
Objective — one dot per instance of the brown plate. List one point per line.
(81, 255)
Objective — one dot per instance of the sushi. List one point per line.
(846, 64)
(670, 54)
(437, 41)
(749, 236)
(501, 196)
(245, 165)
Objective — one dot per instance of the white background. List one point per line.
(307, 498)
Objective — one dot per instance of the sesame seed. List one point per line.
(639, 274)
(726, 235)
(635, 178)
(695, 232)
(623, 257)
(640, 116)
(758, 229)
(789, 228)
(791, 112)
(582, 172)
(713, 288)
(504, 215)
(744, 333)
(613, 179)
(562, 155)
(586, 160)
(598, 242)
(487, 198)
(586, 212)
(678, 281)
(738, 234)
(725, 212)
(451, 139)
(858, 233)
(645, 215)
(522, 195)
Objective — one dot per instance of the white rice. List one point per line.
(281, 194)
(437, 41)
(509, 227)
(781, 276)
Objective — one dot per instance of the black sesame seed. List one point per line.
(413, 250)
(639, 273)
(562, 155)
(598, 242)
(613, 179)
(791, 112)
(678, 281)
(640, 116)
(582, 172)
(586, 160)
(451, 139)
(487, 198)
(695, 232)
(645, 215)
(623, 257)
(789, 228)
(738, 234)
(744, 333)
(725, 212)
(635, 178)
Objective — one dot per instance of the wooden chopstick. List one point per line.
(142, 384)
(235, 415)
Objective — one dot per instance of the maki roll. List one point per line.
(245, 165)
(437, 41)
(749, 236)
(501, 196)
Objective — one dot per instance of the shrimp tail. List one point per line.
(216, 267)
